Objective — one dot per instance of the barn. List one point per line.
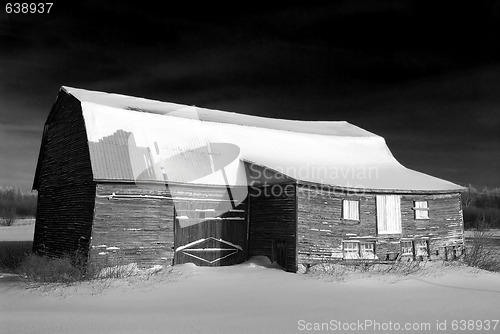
(127, 179)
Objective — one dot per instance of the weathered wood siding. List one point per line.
(137, 229)
(321, 229)
(64, 182)
(210, 228)
(273, 216)
(138, 224)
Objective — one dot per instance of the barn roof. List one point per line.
(138, 139)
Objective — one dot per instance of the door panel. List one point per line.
(210, 234)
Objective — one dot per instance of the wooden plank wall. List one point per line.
(140, 229)
(321, 228)
(66, 189)
(231, 223)
(273, 217)
(133, 230)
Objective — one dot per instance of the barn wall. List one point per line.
(133, 230)
(64, 182)
(273, 215)
(137, 223)
(321, 229)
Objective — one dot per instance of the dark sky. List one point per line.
(423, 74)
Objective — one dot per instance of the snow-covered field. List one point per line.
(254, 297)
(22, 230)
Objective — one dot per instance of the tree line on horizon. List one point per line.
(481, 206)
(15, 203)
(478, 205)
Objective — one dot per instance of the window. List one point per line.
(359, 250)
(388, 214)
(421, 210)
(350, 209)
(367, 250)
(351, 250)
(421, 248)
(406, 247)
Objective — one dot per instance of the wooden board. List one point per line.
(210, 230)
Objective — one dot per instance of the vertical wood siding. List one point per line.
(64, 182)
(321, 229)
(273, 219)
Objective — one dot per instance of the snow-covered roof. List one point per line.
(138, 139)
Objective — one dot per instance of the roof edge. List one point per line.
(459, 189)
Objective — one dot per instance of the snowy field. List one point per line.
(255, 297)
(22, 230)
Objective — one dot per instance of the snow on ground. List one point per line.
(254, 297)
(21, 230)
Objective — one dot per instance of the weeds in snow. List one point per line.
(479, 252)
(13, 253)
(42, 269)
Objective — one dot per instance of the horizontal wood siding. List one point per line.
(137, 224)
(273, 219)
(321, 229)
(64, 182)
(133, 230)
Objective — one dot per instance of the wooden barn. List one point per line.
(127, 179)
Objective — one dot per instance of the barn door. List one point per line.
(210, 232)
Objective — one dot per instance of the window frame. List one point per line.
(348, 200)
(419, 210)
(358, 250)
(362, 253)
(354, 251)
(379, 214)
(419, 245)
(412, 247)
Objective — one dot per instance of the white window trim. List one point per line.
(367, 255)
(420, 210)
(344, 212)
(383, 215)
(357, 252)
(412, 248)
(421, 244)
